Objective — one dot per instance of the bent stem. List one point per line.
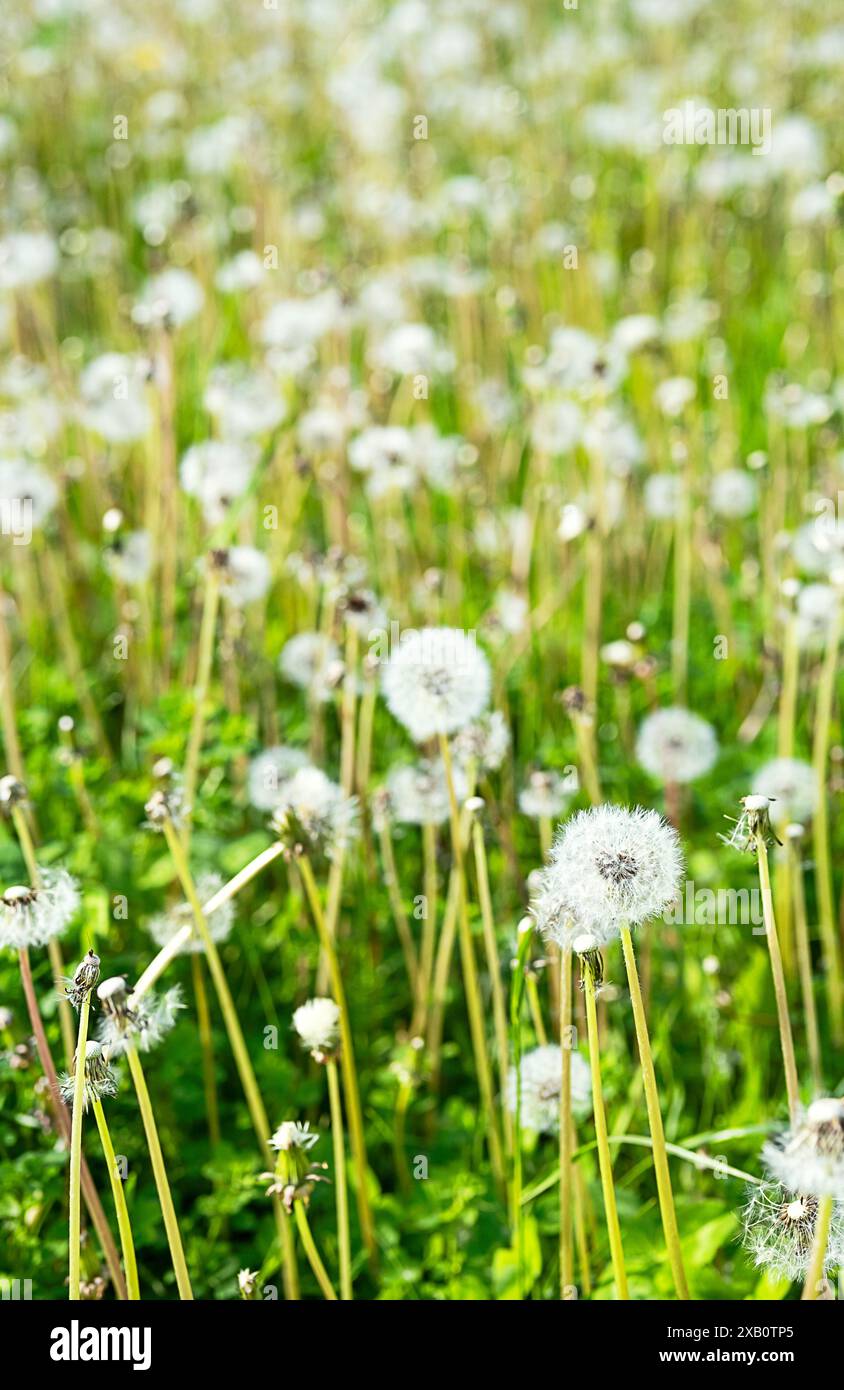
(347, 1057)
(814, 1274)
(601, 1134)
(75, 1203)
(121, 1210)
(162, 1186)
(254, 1103)
(312, 1253)
(342, 1197)
(663, 1175)
(786, 1039)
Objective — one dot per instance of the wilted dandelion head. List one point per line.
(33, 916)
(164, 925)
(675, 745)
(245, 573)
(315, 812)
(608, 866)
(436, 682)
(167, 804)
(292, 1135)
(809, 1157)
(778, 1228)
(791, 787)
(79, 985)
(100, 1079)
(269, 770)
(483, 744)
(12, 793)
(542, 1073)
(545, 795)
(418, 793)
(142, 1024)
(318, 1024)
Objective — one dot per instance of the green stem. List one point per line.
(820, 827)
(804, 961)
(122, 1211)
(347, 1057)
(312, 1253)
(566, 1244)
(54, 950)
(516, 994)
(663, 1175)
(604, 1158)
(254, 1103)
(814, 1274)
(786, 1039)
(165, 1200)
(207, 629)
(342, 1198)
(493, 965)
(75, 1216)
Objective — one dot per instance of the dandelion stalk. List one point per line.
(124, 1225)
(663, 1175)
(820, 826)
(516, 995)
(312, 1253)
(814, 1274)
(159, 1171)
(210, 606)
(470, 976)
(804, 955)
(342, 1198)
(566, 1246)
(601, 1134)
(347, 1056)
(780, 993)
(54, 949)
(254, 1103)
(499, 1013)
(75, 1213)
(429, 929)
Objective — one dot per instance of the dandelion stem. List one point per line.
(516, 992)
(312, 1253)
(347, 1057)
(124, 1225)
(814, 1274)
(162, 1186)
(54, 950)
(205, 660)
(254, 1103)
(786, 1040)
(397, 906)
(203, 1018)
(604, 1157)
(804, 961)
(75, 1204)
(429, 929)
(470, 975)
(663, 1175)
(820, 828)
(566, 1240)
(499, 1013)
(342, 1197)
(89, 1191)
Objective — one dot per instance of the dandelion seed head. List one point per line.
(292, 1135)
(318, 1024)
(541, 1076)
(144, 1025)
(418, 793)
(100, 1079)
(314, 811)
(483, 744)
(608, 866)
(809, 1157)
(437, 681)
(778, 1228)
(269, 770)
(674, 745)
(545, 796)
(791, 787)
(164, 925)
(311, 661)
(31, 917)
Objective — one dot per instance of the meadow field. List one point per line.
(421, 574)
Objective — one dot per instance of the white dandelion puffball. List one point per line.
(318, 1024)
(164, 926)
(269, 770)
(246, 575)
(129, 559)
(145, 1025)
(311, 660)
(542, 1075)
(436, 682)
(314, 809)
(113, 392)
(816, 605)
(33, 916)
(662, 494)
(674, 745)
(174, 296)
(484, 744)
(26, 258)
(778, 1229)
(27, 493)
(545, 796)
(418, 794)
(608, 866)
(732, 493)
(809, 1157)
(791, 787)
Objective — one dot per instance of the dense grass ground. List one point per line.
(392, 215)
